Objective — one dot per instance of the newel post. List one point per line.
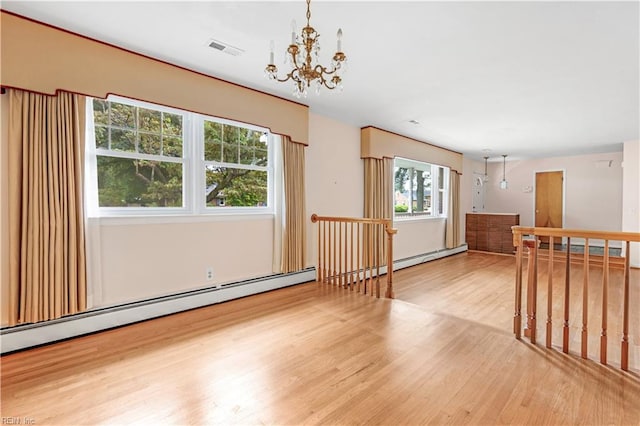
(532, 287)
(390, 233)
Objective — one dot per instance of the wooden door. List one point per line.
(549, 208)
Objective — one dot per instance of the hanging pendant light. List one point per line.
(485, 178)
(503, 182)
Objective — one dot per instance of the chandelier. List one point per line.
(303, 56)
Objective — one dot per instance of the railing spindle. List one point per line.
(550, 292)
(351, 257)
(335, 251)
(325, 277)
(358, 257)
(624, 350)
(517, 316)
(605, 303)
(567, 279)
(532, 288)
(378, 241)
(319, 269)
(372, 259)
(340, 279)
(585, 300)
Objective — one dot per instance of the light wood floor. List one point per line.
(442, 353)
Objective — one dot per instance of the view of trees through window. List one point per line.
(419, 189)
(236, 159)
(141, 162)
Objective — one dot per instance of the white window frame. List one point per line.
(435, 189)
(200, 196)
(193, 177)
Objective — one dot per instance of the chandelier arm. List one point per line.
(322, 70)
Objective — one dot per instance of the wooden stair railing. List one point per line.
(531, 244)
(354, 252)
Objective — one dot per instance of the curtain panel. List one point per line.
(46, 219)
(452, 230)
(294, 225)
(377, 187)
(377, 204)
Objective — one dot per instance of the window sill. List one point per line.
(180, 218)
(417, 219)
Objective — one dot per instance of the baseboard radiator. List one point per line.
(26, 336)
(30, 335)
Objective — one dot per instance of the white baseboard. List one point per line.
(30, 335)
(427, 257)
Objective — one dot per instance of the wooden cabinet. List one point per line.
(491, 231)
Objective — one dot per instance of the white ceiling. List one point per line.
(528, 79)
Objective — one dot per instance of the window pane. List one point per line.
(235, 187)
(149, 120)
(149, 144)
(100, 112)
(172, 146)
(123, 140)
(402, 193)
(246, 155)
(261, 156)
(123, 115)
(171, 124)
(230, 147)
(102, 137)
(212, 141)
(124, 182)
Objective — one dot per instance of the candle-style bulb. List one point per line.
(272, 46)
(293, 31)
(339, 40)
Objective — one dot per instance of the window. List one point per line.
(139, 155)
(236, 166)
(420, 189)
(147, 159)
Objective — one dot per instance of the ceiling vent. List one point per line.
(224, 47)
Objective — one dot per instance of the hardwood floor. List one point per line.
(443, 352)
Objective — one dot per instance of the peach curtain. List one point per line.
(378, 187)
(46, 221)
(452, 230)
(294, 224)
(377, 202)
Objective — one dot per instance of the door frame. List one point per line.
(564, 195)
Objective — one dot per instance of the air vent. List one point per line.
(224, 47)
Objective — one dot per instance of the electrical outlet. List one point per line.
(209, 273)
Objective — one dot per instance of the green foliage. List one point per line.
(124, 182)
(399, 208)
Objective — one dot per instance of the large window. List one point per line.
(139, 155)
(149, 159)
(420, 189)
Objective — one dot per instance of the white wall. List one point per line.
(334, 174)
(418, 236)
(466, 191)
(631, 195)
(593, 196)
(140, 260)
